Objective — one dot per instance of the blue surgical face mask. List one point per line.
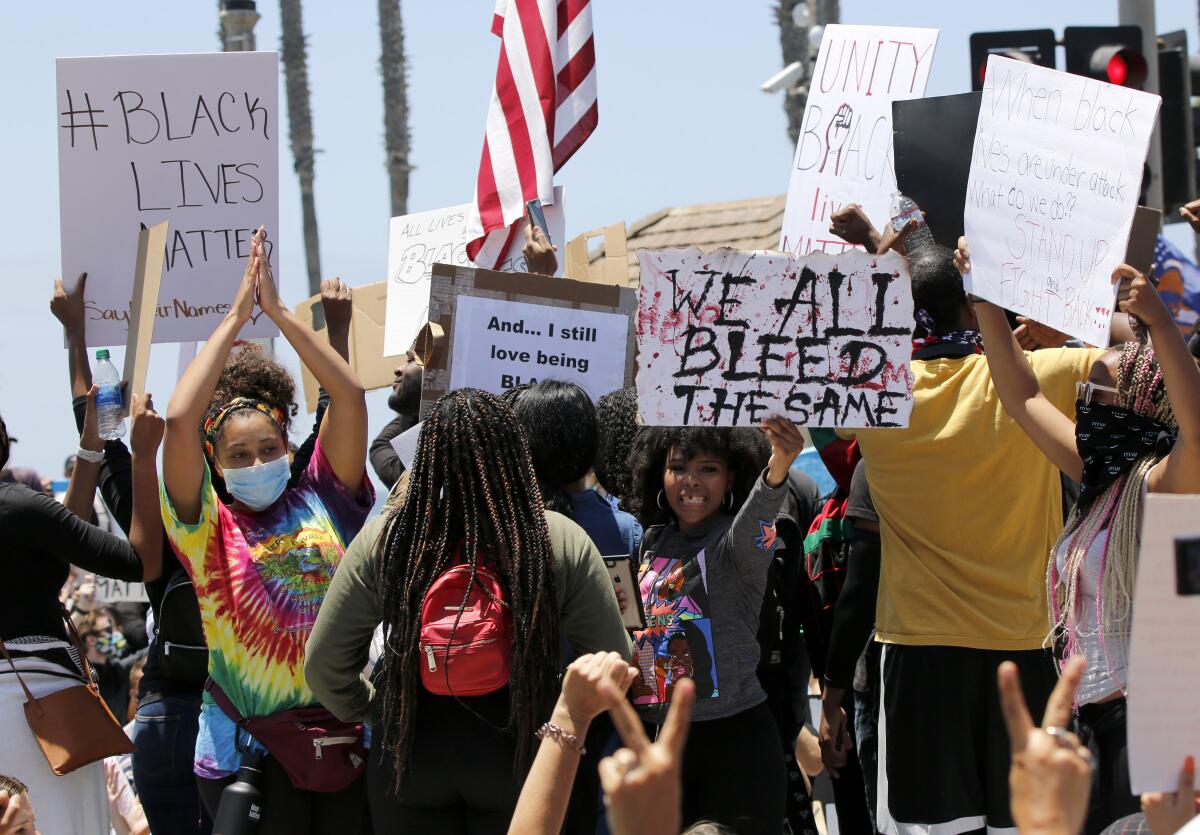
(259, 486)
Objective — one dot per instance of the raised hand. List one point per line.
(1169, 811)
(642, 781)
(267, 294)
(90, 437)
(581, 696)
(1032, 335)
(68, 307)
(786, 443)
(853, 226)
(896, 240)
(146, 426)
(338, 301)
(962, 256)
(1191, 213)
(243, 303)
(539, 253)
(1141, 300)
(1051, 771)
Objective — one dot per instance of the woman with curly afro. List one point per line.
(702, 577)
(262, 554)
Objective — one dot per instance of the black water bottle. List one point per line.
(241, 804)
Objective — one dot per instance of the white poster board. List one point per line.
(1164, 667)
(1055, 175)
(728, 338)
(418, 241)
(193, 139)
(499, 344)
(844, 153)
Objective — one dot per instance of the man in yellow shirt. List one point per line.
(968, 512)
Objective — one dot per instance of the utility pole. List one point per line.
(237, 25)
(1141, 13)
(801, 25)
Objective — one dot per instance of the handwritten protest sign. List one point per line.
(1055, 175)
(418, 241)
(729, 337)
(193, 139)
(505, 329)
(118, 591)
(844, 154)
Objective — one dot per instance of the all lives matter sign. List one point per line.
(193, 139)
(505, 329)
(1055, 174)
(729, 337)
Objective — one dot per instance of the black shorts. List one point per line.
(943, 748)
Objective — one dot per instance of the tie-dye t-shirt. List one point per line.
(260, 579)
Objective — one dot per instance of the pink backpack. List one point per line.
(480, 659)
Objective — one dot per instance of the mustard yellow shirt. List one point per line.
(968, 507)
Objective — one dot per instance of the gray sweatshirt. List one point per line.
(702, 592)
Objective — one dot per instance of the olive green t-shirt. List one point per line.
(337, 649)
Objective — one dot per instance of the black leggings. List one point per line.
(461, 778)
(289, 811)
(1101, 727)
(733, 773)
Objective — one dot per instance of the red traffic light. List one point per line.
(1120, 65)
(1107, 53)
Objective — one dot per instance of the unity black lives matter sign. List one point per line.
(729, 337)
(193, 139)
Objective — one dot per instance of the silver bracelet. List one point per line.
(561, 737)
(92, 456)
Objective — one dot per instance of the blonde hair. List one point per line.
(12, 785)
(1118, 509)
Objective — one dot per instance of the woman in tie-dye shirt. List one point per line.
(261, 554)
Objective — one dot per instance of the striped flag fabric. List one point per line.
(543, 108)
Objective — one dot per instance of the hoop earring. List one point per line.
(661, 504)
(728, 503)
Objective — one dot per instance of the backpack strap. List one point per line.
(223, 701)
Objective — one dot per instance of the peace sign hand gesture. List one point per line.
(1051, 771)
(642, 781)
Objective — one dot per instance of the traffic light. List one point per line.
(1107, 53)
(1035, 46)
(1175, 85)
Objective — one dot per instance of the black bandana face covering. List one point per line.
(1110, 439)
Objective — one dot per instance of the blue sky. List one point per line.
(681, 121)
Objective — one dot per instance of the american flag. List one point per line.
(543, 108)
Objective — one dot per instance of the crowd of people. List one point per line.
(461, 662)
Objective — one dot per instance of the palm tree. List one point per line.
(395, 102)
(295, 72)
(793, 40)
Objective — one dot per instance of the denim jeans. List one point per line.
(165, 736)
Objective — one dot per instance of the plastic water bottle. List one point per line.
(108, 398)
(904, 209)
(241, 805)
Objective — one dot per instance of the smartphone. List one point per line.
(538, 218)
(1187, 566)
(620, 571)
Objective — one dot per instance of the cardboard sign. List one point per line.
(418, 241)
(1055, 173)
(932, 141)
(147, 280)
(366, 340)
(1164, 667)
(118, 591)
(844, 154)
(728, 338)
(610, 269)
(193, 139)
(505, 329)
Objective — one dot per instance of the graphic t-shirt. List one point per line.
(260, 579)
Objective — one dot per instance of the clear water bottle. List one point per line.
(904, 209)
(241, 805)
(108, 398)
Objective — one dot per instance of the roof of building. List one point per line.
(741, 224)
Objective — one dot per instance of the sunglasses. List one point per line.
(1084, 390)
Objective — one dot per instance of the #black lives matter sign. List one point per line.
(192, 139)
(729, 337)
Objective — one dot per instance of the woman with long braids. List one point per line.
(1137, 430)
(449, 763)
(261, 555)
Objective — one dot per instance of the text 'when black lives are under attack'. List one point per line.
(816, 356)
